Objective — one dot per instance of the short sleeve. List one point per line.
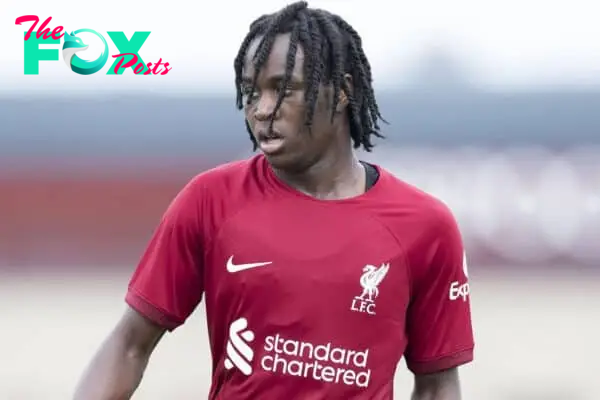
(439, 328)
(167, 284)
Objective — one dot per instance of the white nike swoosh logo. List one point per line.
(231, 267)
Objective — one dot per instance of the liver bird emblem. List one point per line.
(370, 280)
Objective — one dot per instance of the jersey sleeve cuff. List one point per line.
(441, 363)
(150, 311)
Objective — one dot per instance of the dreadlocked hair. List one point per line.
(332, 48)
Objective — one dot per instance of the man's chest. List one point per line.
(302, 266)
(309, 295)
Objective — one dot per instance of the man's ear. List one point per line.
(343, 100)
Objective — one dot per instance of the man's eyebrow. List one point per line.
(275, 78)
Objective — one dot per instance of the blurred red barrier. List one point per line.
(523, 207)
(79, 221)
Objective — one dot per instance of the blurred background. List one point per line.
(493, 106)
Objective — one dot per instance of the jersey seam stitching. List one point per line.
(402, 252)
(439, 357)
(217, 232)
(165, 313)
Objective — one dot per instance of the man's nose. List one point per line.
(265, 107)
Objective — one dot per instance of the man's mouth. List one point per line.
(264, 136)
(270, 142)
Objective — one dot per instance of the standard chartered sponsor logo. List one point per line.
(322, 362)
(239, 353)
(282, 356)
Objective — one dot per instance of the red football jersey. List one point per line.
(308, 298)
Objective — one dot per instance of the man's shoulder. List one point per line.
(420, 221)
(405, 201)
(226, 174)
(227, 186)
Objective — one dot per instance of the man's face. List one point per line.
(289, 146)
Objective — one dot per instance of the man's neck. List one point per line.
(333, 177)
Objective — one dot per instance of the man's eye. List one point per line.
(287, 91)
(249, 93)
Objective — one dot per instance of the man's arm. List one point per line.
(117, 368)
(439, 328)
(442, 385)
(164, 290)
